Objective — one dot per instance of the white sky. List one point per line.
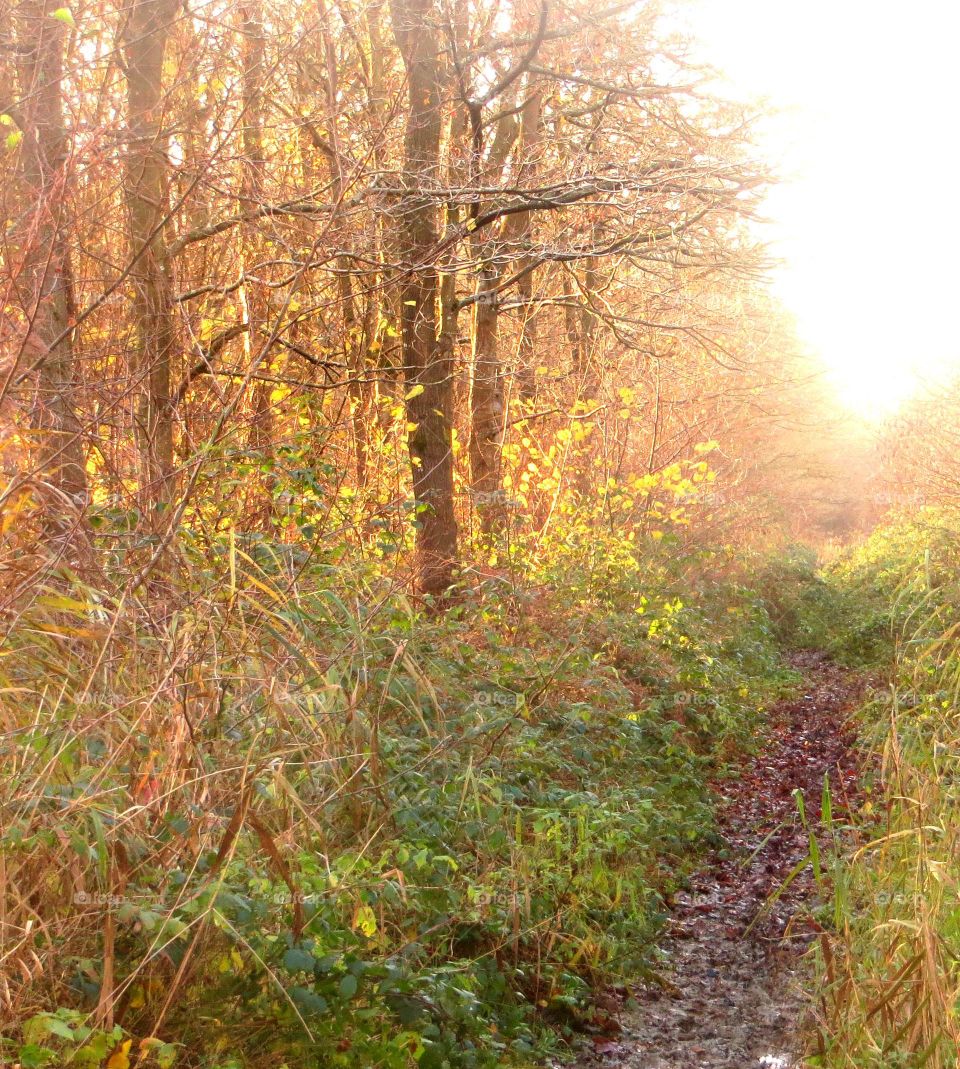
(869, 137)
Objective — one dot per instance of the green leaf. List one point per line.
(298, 960)
(166, 1055)
(59, 1028)
(308, 1001)
(14, 139)
(33, 1056)
(348, 986)
(92, 1054)
(64, 15)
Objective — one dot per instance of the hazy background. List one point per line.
(866, 134)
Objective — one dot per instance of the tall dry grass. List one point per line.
(890, 978)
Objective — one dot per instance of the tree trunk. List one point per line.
(486, 399)
(355, 338)
(47, 295)
(145, 39)
(590, 368)
(428, 369)
(487, 393)
(260, 437)
(520, 227)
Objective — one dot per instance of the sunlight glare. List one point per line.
(865, 112)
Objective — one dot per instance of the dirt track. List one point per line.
(732, 996)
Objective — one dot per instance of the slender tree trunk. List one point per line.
(145, 39)
(354, 339)
(590, 366)
(459, 165)
(521, 229)
(571, 322)
(428, 369)
(486, 397)
(47, 295)
(458, 176)
(260, 437)
(487, 393)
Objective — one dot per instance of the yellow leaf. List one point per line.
(414, 392)
(366, 920)
(120, 1059)
(61, 601)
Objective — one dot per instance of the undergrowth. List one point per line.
(270, 812)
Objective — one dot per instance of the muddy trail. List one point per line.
(731, 993)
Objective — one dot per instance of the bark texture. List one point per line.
(144, 46)
(427, 366)
(45, 290)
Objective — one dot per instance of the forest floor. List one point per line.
(731, 992)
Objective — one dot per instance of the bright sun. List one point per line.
(864, 221)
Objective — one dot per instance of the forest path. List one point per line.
(733, 997)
